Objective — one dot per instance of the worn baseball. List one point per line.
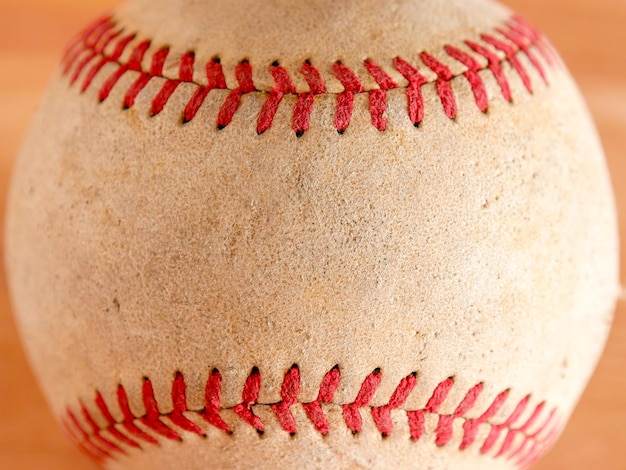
(321, 235)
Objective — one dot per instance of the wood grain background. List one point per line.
(591, 36)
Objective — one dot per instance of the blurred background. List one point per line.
(591, 36)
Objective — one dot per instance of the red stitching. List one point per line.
(472, 75)
(75, 48)
(511, 55)
(351, 414)
(523, 443)
(289, 394)
(304, 104)
(152, 417)
(345, 100)
(521, 41)
(100, 403)
(115, 57)
(284, 86)
(156, 70)
(414, 90)
(96, 49)
(129, 418)
(102, 43)
(444, 88)
(378, 98)
(314, 410)
(213, 393)
(180, 406)
(249, 398)
(243, 73)
(382, 414)
(185, 73)
(216, 80)
(523, 27)
(133, 64)
(495, 67)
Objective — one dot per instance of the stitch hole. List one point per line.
(275, 63)
(299, 134)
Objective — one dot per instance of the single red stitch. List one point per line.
(96, 432)
(249, 397)
(417, 424)
(495, 67)
(302, 113)
(522, 43)
(106, 413)
(213, 392)
(345, 100)
(313, 78)
(414, 90)
(289, 394)
(215, 79)
(119, 50)
(439, 396)
(511, 55)
(129, 418)
(444, 430)
(133, 64)
(284, 85)
(304, 104)
(180, 406)
(472, 75)
(314, 411)
(88, 444)
(442, 84)
(382, 414)
(378, 98)
(185, 72)
(156, 70)
(152, 416)
(243, 73)
(351, 414)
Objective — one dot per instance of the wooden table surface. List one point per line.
(591, 36)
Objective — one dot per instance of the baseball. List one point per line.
(321, 234)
